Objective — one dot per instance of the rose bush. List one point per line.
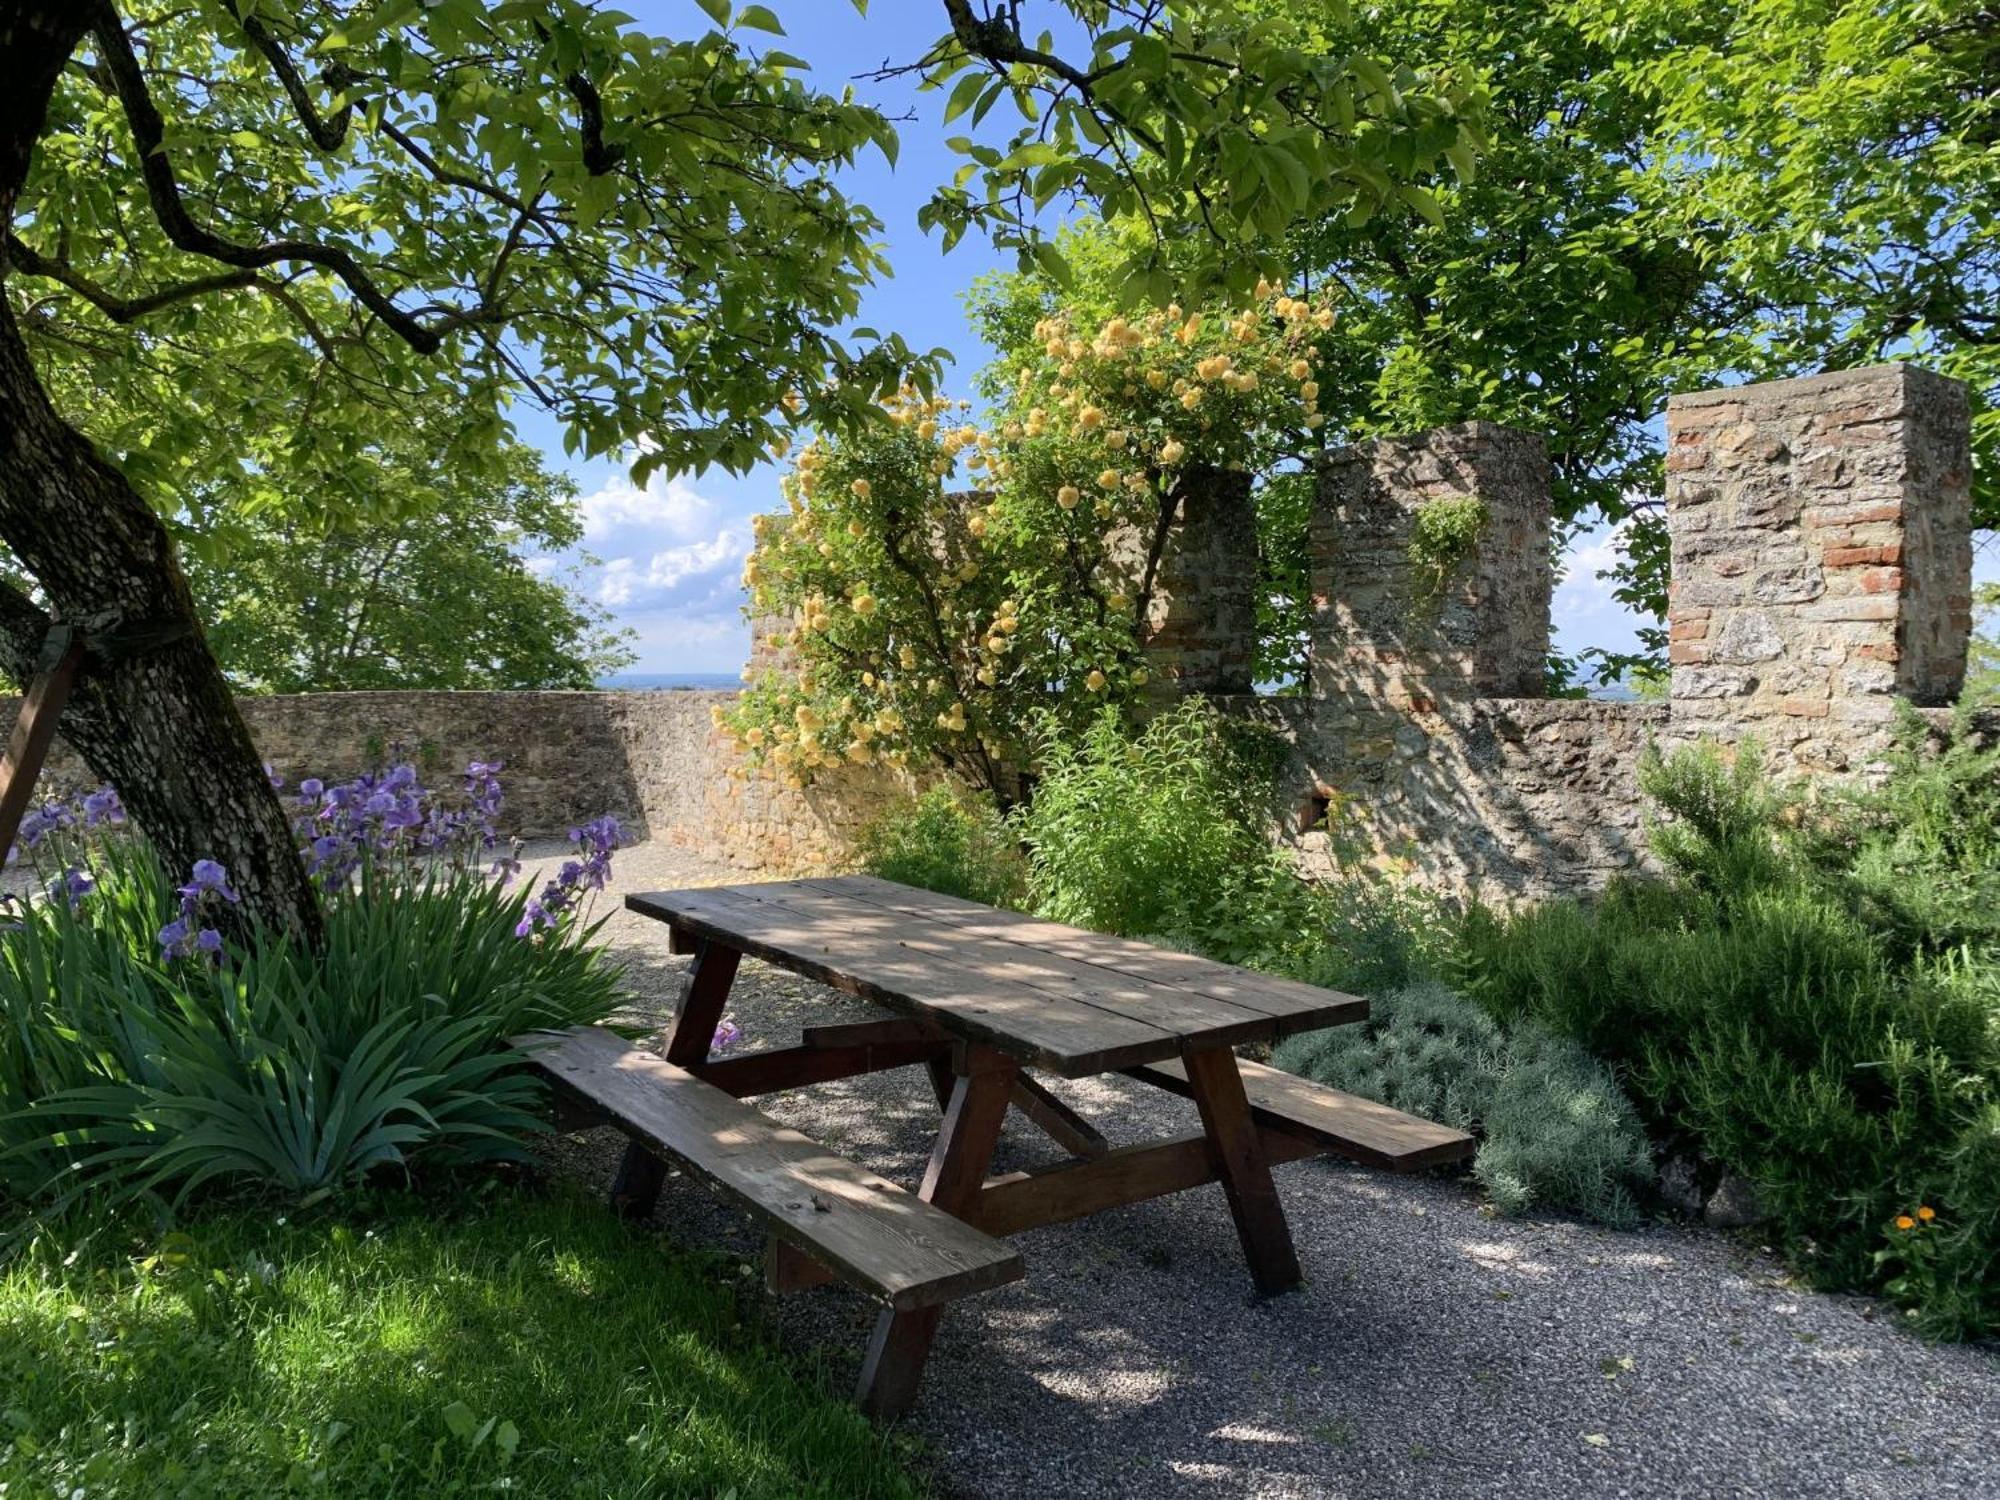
(941, 584)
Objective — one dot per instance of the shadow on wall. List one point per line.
(1822, 569)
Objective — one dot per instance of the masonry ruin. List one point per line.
(1821, 556)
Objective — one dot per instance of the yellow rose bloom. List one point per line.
(864, 605)
(1172, 451)
(1095, 681)
(862, 489)
(1109, 479)
(1068, 496)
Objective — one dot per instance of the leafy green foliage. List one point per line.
(1557, 1132)
(951, 842)
(1148, 835)
(508, 1340)
(439, 597)
(1776, 1010)
(1442, 535)
(1836, 158)
(283, 1068)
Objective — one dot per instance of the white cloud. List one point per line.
(626, 580)
(668, 507)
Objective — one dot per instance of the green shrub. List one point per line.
(951, 842)
(1802, 1000)
(1557, 1131)
(1148, 835)
(129, 1072)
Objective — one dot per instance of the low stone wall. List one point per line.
(1505, 797)
(652, 759)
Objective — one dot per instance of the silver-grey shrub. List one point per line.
(1557, 1132)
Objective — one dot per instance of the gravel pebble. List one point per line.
(1435, 1350)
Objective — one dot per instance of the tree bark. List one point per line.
(151, 712)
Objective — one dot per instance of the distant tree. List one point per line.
(436, 595)
(1841, 160)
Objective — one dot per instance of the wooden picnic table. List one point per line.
(983, 997)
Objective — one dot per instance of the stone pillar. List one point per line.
(1200, 630)
(1387, 633)
(1822, 555)
(1202, 622)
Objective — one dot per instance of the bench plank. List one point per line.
(1293, 1005)
(864, 956)
(874, 1234)
(1354, 1127)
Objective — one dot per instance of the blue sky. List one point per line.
(671, 553)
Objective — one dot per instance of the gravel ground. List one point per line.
(1434, 1351)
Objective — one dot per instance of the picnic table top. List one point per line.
(1063, 999)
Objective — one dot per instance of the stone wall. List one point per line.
(653, 759)
(1821, 571)
(1821, 566)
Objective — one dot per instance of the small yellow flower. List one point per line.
(1068, 496)
(1139, 676)
(1191, 398)
(1927, 1213)
(1089, 417)
(862, 489)
(1095, 681)
(1117, 602)
(864, 605)
(1904, 1221)
(1301, 369)
(976, 524)
(1173, 451)
(1109, 479)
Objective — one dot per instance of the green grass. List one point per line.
(511, 1341)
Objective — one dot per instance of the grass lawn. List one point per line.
(511, 1340)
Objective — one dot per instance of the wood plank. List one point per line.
(1358, 1128)
(1293, 1005)
(874, 1234)
(705, 990)
(34, 731)
(864, 958)
(901, 1341)
(1057, 1120)
(1246, 1172)
(1169, 1007)
(784, 1068)
(1062, 1191)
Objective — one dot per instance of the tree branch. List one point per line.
(119, 309)
(163, 190)
(327, 133)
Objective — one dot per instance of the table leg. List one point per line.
(706, 990)
(636, 1188)
(901, 1342)
(1217, 1087)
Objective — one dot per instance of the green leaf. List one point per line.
(964, 92)
(759, 18)
(717, 10)
(460, 1422)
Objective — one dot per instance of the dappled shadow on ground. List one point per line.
(1434, 1350)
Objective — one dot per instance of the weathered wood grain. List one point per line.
(871, 1232)
(863, 955)
(1357, 1128)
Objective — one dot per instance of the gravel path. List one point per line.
(1435, 1351)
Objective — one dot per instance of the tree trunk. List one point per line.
(151, 713)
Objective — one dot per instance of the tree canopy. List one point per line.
(259, 227)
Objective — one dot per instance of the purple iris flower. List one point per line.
(103, 806)
(72, 886)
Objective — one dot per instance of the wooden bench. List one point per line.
(863, 1228)
(1357, 1128)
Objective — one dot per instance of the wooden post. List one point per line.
(1217, 1086)
(901, 1342)
(56, 670)
(706, 991)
